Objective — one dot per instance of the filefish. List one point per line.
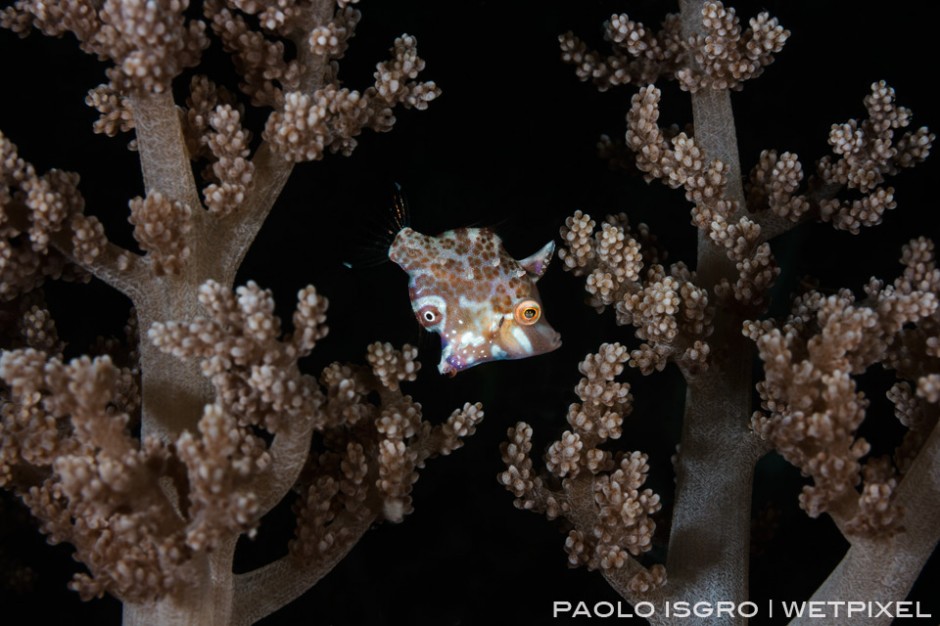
(482, 302)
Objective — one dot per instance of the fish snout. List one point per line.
(554, 341)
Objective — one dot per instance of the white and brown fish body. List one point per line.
(482, 302)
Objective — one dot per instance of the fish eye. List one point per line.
(528, 312)
(429, 316)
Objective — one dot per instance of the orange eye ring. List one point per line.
(527, 312)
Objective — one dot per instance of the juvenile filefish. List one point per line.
(482, 302)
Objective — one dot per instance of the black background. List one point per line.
(510, 144)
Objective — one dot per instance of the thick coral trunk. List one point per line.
(173, 391)
(710, 536)
(266, 589)
(884, 570)
(708, 549)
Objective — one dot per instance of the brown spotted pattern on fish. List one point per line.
(482, 302)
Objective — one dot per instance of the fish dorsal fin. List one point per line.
(376, 235)
(401, 214)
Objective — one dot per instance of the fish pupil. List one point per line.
(527, 312)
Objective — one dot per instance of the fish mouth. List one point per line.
(451, 366)
(447, 369)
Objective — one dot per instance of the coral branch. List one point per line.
(312, 112)
(149, 42)
(163, 158)
(331, 117)
(884, 570)
(865, 153)
(707, 545)
(714, 56)
(161, 227)
(671, 314)
(723, 56)
(100, 487)
(40, 213)
(229, 145)
(270, 174)
(813, 406)
(714, 187)
(653, 54)
(262, 591)
(611, 515)
(156, 518)
(365, 475)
